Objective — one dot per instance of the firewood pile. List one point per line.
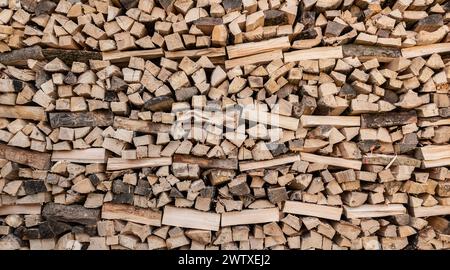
(224, 124)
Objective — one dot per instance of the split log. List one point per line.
(190, 218)
(251, 216)
(314, 54)
(140, 125)
(207, 163)
(19, 57)
(29, 209)
(383, 159)
(23, 112)
(255, 165)
(336, 121)
(314, 210)
(71, 213)
(131, 213)
(433, 152)
(115, 164)
(37, 160)
(194, 54)
(272, 119)
(424, 50)
(81, 119)
(251, 48)
(333, 161)
(90, 155)
(364, 52)
(388, 119)
(70, 56)
(438, 210)
(261, 58)
(120, 57)
(371, 211)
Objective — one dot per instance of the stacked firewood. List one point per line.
(224, 124)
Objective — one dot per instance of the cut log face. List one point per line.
(224, 124)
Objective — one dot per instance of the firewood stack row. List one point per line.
(224, 124)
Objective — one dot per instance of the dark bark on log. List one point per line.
(81, 119)
(30, 158)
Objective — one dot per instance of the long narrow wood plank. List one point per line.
(436, 163)
(383, 159)
(23, 112)
(427, 122)
(99, 118)
(375, 210)
(255, 165)
(90, 155)
(251, 48)
(314, 210)
(140, 125)
(190, 218)
(434, 152)
(250, 216)
(438, 210)
(208, 52)
(424, 50)
(314, 54)
(365, 52)
(28, 209)
(388, 119)
(34, 159)
(19, 57)
(131, 213)
(336, 121)
(333, 161)
(207, 163)
(272, 119)
(256, 59)
(122, 164)
(120, 57)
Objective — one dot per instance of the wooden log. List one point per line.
(314, 54)
(23, 112)
(81, 119)
(333, 161)
(272, 119)
(28, 209)
(416, 51)
(207, 163)
(190, 218)
(194, 54)
(314, 210)
(123, 164)
(436, 163)
(336, 121)
(255, 165)
(30, 158)
(372, 211)
(261, 58)
(438, 210)
(388, 119)
(19, 57)
(250, 216)
(433, 152)
(90, 155)
(70, 56)
(140, 125)
(120, 57)
(251, 48)
(383, 159)
(131, 213)
(365, 52)
(71, 213)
